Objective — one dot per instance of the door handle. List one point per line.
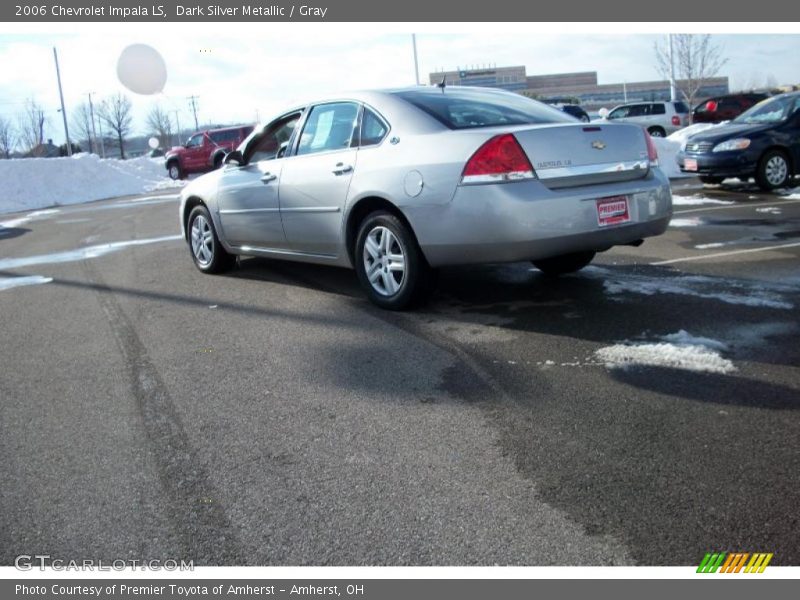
(341, 168)
(269, 177)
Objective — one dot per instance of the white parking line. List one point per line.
(720, 254)
(729, 206)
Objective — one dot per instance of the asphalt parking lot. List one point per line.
(273, 416)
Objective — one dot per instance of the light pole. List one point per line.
(416, 64)
(94, 132)
(673, 92)
(63, 111)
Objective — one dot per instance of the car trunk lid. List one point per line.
(585, 154)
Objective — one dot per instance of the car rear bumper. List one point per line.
(528, 221)
(720, 164)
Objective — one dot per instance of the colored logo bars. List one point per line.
(733, 562)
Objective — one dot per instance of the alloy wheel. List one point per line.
(384, 261)
(202, 241)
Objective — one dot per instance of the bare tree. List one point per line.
(115, 111)
(159, 123)
(696, 61)
(7, 137)
(81, 125)
(31, 125)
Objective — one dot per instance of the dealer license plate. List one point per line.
(613, 210)
(689, 164)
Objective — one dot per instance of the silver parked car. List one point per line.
(397, 183)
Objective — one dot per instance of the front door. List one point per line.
(248, 203)
(316, 179)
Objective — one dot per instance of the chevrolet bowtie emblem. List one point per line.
(598, 145)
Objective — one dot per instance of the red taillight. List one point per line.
(500, 159)
(676, 120)
(652, 152)
(711, 106)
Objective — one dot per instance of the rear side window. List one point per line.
(638, 110)
(229, 135)
(372, 129)
(465, 108)
(657, 109)
(680, 107)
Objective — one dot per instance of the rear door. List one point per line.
(316, 178)
(248, 201)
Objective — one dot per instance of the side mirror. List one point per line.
(234, 157)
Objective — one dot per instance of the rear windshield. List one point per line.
(680, 107)
(469, 108)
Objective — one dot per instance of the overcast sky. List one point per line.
(237, 75)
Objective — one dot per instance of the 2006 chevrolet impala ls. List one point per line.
(397, 183)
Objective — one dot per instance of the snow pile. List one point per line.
(678, 200)
(30, 183)
(684, 134)
(679, 350)
(669, 147)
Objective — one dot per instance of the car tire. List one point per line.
(389, 263)
(218, 161)
(585, 118)
(774, 170)
(174, 170)
(710, 179)
(657, 132)
(207, 253)
(565, 263)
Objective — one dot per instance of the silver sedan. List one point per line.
(400, 182)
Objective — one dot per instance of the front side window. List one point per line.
(195, 141)
(274, 141)
(328, 127)
(619, 113)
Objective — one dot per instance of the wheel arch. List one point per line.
(191, 203)
(359, 211)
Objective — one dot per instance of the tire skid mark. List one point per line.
(199, 520)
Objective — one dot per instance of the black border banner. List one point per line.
(256, 11)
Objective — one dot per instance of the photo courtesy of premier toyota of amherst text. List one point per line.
(307, 297)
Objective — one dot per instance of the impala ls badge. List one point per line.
(598, 145)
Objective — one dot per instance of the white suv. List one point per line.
(659, 118)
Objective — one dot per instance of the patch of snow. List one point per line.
(772, 210)
(30, 183)
(696, 200)
(667, 153)
(730, 292)
(712, 245)
(665, 354)
(80, 254)
(689, 222)
(6, 283)
(11, 223)
(684, 338)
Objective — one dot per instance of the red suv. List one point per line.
(204, 151)
(725, 108)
